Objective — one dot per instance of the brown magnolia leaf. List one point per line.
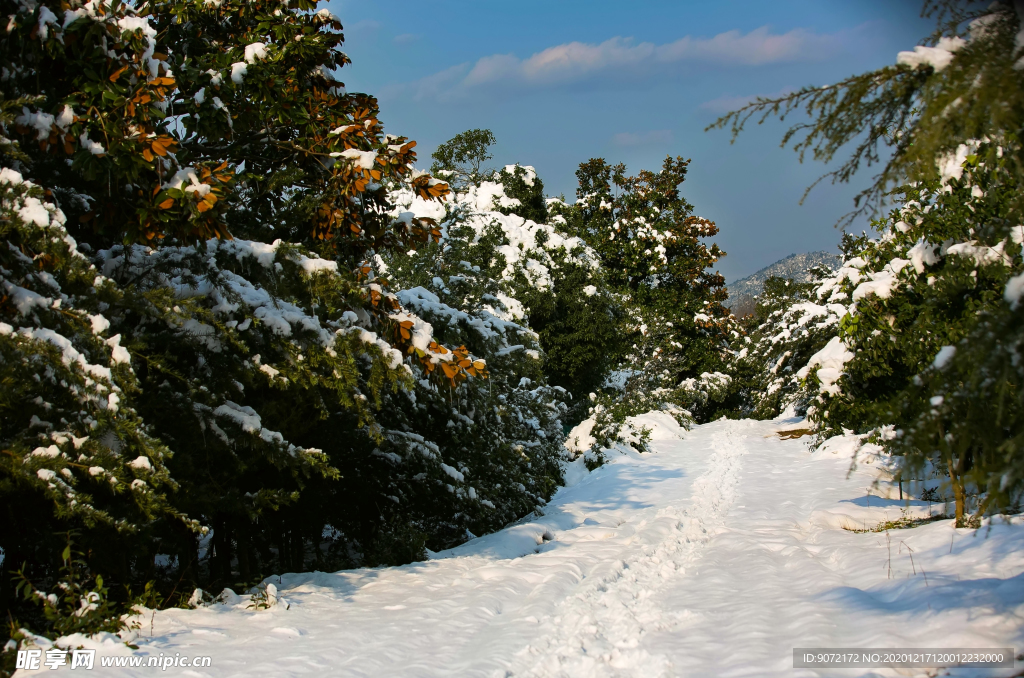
(167, 204)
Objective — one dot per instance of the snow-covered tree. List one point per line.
(461, 159)
(651, 249)
(936, 280)
(525, 190)
(789, 325)
(501, 437)
(193, 303)
(560, 286)
(924, 357)
(77, 455)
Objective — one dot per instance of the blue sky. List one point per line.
(561, 81)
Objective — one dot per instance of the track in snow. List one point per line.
(597, 630)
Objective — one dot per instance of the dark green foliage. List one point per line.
(523, 185)
(966, 417)
(578, 326)
(76, 453)
(461, 158)
(75, 605)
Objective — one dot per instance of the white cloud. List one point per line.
(658, 137)
(577, 61)
(405, 39)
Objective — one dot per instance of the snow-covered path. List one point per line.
(715, 555)
(598, 629)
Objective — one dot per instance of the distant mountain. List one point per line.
(796, 266)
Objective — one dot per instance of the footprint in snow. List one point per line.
(286, 631)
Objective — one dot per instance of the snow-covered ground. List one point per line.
(715, 555)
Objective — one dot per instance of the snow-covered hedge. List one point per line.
(915, 338)
(215, 362)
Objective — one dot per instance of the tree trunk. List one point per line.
(958, 493)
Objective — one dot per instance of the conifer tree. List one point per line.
(924, 359)
(789, 325)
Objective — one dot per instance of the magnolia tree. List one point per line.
(200, 346)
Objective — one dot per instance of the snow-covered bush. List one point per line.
(936, 283)
(942, 263)
(789, 325)
(501, 439)
(914, 339)
(76, 605)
